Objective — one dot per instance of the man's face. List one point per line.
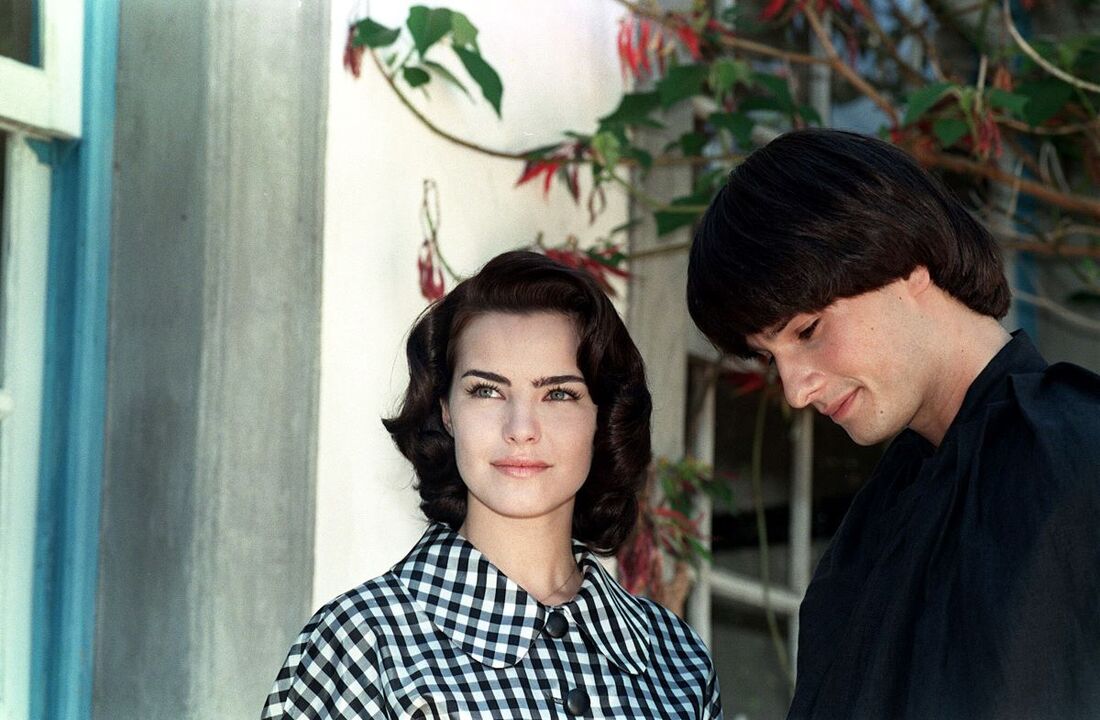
(862, 361)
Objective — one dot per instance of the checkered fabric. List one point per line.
(445, 634)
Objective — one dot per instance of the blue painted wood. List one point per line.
(66, 552)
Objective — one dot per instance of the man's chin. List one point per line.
(863, 437)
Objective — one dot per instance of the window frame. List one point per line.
(46, 101)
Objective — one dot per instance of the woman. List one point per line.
(527, 421)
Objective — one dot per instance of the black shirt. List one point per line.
(964, 581)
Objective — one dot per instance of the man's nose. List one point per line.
(522, 424)
(801, 382)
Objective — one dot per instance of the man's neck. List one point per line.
(975, 340)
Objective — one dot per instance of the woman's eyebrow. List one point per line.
(486, 375)
(557, 380)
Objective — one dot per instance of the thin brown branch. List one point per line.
(1052, 250)
(1044, 303)
(912, 74)
(1039, 59)
(843, 69)
(919, 31)
(492, 152)
(1058, 130)
(660, 160)
(1024, 155)
(1067, 201)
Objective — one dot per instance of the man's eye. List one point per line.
(808, 332)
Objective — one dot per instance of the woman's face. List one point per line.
(521, 415)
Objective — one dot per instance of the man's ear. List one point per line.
(446, 413)
(919, 280)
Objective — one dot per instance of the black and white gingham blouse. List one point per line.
(445, 634)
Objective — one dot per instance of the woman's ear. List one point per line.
(446, 413)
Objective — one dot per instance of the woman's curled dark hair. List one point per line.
(523, 282)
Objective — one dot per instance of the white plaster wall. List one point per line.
(560, 71)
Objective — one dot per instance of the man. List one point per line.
(964, 581)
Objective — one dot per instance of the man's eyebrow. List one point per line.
(486, 375)
(557, 380)
(772, 332)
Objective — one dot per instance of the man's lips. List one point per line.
(839, 407)
(520, 467)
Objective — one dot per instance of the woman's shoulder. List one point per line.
(674, 645)
(672, 630)
(362, 617)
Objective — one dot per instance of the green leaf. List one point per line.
(483, 74)
(680, 83)
(641, 156)
(415, 76)
(1013, 102)
(607, 147)
(447, 75)
(628, 225)
(738, 124)
(700, 551)
(1044, 99)
(428, 26)
(709, 181)
(373, 35)
(949, 130)
(633, 109)
(463, 31)
(1084, 297)
(725, 73)
(809, 114)
(669, 220)
(691, 143)
(764, 103)
(777, 87)
(922, 101)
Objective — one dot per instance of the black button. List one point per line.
(556, 625)
(576, 702)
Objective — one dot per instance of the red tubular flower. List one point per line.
(431, 279)
(353, 55)
(636, 560)
(534, 168)
(772, 10)
(690, 40)
(630, 55)
(645, 29)
(989, 137)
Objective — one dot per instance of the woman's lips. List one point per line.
(520, 467)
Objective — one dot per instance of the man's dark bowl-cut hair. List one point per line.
(523, 283)
(819, 215)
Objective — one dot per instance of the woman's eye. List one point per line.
(808, 332)
(560, 394)
(483, 391)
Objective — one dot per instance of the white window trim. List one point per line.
(714, 582)
(45, 101)
(25, 238)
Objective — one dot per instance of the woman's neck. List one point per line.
(535, 553)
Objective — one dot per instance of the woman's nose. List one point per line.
(522, 425)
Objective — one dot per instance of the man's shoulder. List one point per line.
(1058, 408)
(1047, 434)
